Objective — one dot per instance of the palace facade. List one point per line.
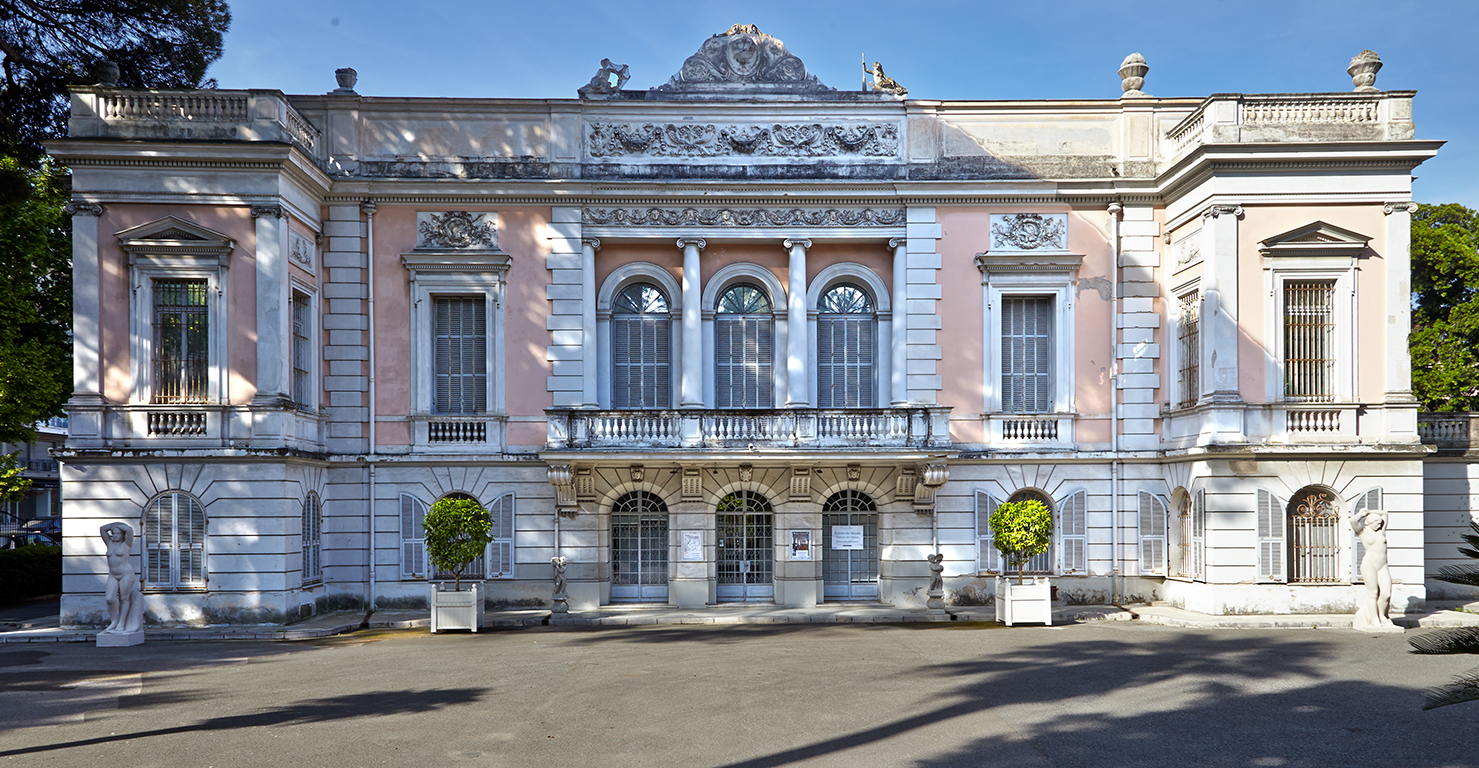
(741, 337)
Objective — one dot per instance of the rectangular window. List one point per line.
(743, 367)
(460, 352)
(1190, 350)
(181, 341)
(1026, 354)
(1309, 341)
(641, 355)
(845, 350)
(302, 350)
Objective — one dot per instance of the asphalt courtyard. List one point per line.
(1093, 694)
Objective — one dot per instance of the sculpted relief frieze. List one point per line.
(1029, 232)
(456, 229)
(776, 140)
(743, 217)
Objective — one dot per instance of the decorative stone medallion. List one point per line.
(456, 229)
(300, 249)
(1029, 232)
(746, 57)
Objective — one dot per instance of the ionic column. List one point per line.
(899, 373)
(590, 354)
(798, 395)
(692, 385)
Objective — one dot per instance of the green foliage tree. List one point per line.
(1445, 315)
(457, 533)
(1022, 530)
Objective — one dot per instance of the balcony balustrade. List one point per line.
(1451, 432)
(923, 427)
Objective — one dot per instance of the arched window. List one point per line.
(850, 547)
(743, 349)
(1314, 540)
(641, 331)
(639, 548)
(1042, 563)
(313, 528)
(744, 532)
(174, 542)
(846, 330)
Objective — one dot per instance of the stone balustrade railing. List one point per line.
(1449, 431)
(190, 115)
(1248, 118)
(922, 427)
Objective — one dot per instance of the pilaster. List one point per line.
(921, 298)
(87, 395)
(345, 379)
(572, 346)
(1139, 362)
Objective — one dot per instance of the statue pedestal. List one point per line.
(120, 639)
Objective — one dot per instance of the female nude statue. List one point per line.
(124, 597)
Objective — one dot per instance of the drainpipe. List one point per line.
(1115, 210)
(368, 207)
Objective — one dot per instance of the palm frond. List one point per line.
(1461, 640)
(1460, 689)
(1459, 574)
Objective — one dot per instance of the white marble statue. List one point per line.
(1373, 614)
(561, 597)
(124, 596)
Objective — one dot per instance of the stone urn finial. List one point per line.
(1363, 71)
(106, 72)
(1132, 76)
(346, 77)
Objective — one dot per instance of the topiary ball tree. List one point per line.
(1021, 531)
(456, 535)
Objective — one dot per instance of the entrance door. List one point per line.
(746, 555)
(850, 574)
(639, 549)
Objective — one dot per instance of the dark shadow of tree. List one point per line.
(347, 707)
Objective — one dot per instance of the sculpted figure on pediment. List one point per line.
(743, 55)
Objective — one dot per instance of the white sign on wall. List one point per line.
(847, 537)
(693, 545)
(800, 545)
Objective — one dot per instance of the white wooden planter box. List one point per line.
(1028, 602)
(462, 609)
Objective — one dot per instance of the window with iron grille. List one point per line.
(1192, 519)
(743, 349)
(181, 341)
(641, 355)
(1026, 354)
(174, 542)
(1314, 538)
(1190, 350)
(302, 350)
(1309, 341)
(313, 531)
(1041, 563)
(845, 348)
(460, 352)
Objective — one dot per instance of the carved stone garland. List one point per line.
(752, 217)
(457, 229)
(776, 140)
(1028, 232)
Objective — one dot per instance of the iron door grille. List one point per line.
(745, 539)
(855, 571)
(639, 541)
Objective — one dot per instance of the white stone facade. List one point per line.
(400, 299)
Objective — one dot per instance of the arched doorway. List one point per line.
(639, 549)
(1314, 537)
(746, 560)
(850, 547)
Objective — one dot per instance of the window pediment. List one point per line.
(1316, 238)
(171, 239)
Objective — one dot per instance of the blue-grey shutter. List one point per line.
(1026, 354)
(159, 541)
(1271, 546)
(1073, 522)
(190, 538)
(743, 361)
(1368, 500)
(500, 555)
(460, 355)
(641, 359)
(987, 556)
(1152, 535)
(845, 352)
(413, 538)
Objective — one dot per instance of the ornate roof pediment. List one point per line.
(743, 60)
(1315, 239)
(174, 237)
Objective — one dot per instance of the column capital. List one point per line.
(895, 243)
(82, 208)
(368, 208)
(792, 242)
(274, 210)
(594, 243)
(684, 242)
(1391, 208)
(1214, 211)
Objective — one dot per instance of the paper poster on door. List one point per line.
(800, 545)
(693, 545)
(847, 537)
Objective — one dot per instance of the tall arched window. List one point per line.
(639, 548)
(1042, 563)
(1314, 540)
(641, 330)
(174, 542)
(846, 348)
(744, 349)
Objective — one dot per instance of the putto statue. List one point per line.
(122, 593)
(601, 85)
(883, 83)
(1370, 526)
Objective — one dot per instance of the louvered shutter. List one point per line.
(500, 556)
(743, 361)
(1199, 535)
(1368, 500)
(1271, 545)
(760, 389)
(413, 538)
(845, 352)
(987, 556)
(461, 355)
(829, 379)
(725, 331)
(1073, 520)
(1026, 354)
(159, 538)
(190, 538)
(1152, 535)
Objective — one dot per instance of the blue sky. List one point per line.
(939, 49)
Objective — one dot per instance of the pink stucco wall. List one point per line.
(241, 289)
